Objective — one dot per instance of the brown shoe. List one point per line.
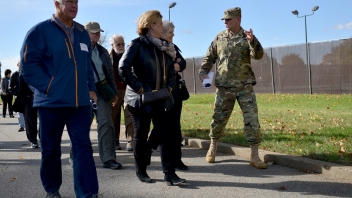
(255, 160)
(210, 157)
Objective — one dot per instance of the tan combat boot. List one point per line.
(210, 158)
(255, 160)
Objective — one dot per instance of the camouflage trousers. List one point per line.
(224, 104)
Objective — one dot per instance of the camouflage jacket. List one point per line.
(234, 53)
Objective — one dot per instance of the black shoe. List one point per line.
(143, 177)
(34, 145)
(117, 147)
(53, 195)
(11, 116)
(181, 166)
(112, 164)
(172, 179)
(20, 129)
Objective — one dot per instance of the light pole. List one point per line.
(295, 12)
(171, 6)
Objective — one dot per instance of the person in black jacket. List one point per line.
(6, 95)
(147, 65)
(14, 89)
(30, 113)
(175, 113)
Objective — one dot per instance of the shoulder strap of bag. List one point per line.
(164, 69)
(95, 70)
(157, 62)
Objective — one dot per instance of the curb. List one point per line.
(327, 169)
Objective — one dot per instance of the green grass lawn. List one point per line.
(313, 126)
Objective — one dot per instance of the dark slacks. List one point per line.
(77, 121)
(30, 119)
(7, 102)
(142, 118)
(173, 117)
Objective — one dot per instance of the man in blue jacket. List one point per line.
(56, 61)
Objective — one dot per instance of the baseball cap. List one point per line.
(93, 27)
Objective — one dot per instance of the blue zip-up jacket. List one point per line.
(60, 72)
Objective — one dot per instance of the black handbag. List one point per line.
(20, 103)
(155, 95)
(104, 89)
(160, 94)
(183, 93)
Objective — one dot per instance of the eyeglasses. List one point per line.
(120, 44)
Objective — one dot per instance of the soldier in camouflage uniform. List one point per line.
(234, 79)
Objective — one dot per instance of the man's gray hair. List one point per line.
(167, 25)
(115, 37)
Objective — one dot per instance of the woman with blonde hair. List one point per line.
(148, 65)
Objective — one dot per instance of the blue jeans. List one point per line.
(21, 120)
(77, 121)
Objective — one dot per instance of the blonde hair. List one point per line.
(146, 19)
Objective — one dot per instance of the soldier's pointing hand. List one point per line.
(249, 35)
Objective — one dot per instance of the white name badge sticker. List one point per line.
(84, 47)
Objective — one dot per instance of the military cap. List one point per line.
(232, 12)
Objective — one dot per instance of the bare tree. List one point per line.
(104, 40)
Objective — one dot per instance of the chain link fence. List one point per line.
(286, 69)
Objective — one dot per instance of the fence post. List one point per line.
(194, 77)
(309, 69)
(272, 70)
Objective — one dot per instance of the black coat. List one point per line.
(182, 62)
(138, 65)
(107, 67)
(15, 83)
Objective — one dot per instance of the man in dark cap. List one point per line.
(234, 79)
(103, 73)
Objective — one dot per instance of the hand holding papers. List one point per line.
(207, 81)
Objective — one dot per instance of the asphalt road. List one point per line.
(230, 176)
